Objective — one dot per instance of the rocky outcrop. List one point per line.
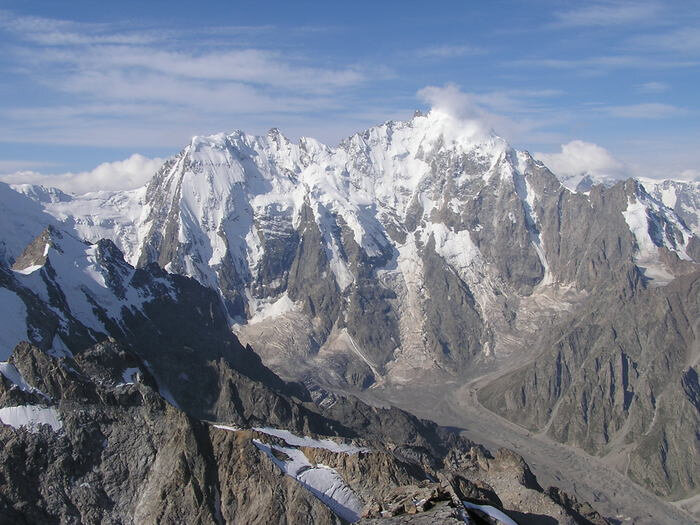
(123, 454)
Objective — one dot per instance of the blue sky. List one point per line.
(85, 83)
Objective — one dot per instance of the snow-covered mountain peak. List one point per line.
(41, 193)
(583, 182)
(423, 137)
(429, 134)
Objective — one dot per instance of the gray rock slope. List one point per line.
(117, 452)
(619, 379)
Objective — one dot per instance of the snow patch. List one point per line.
(30, 269)
(226, 427)
(647, 257)
(636, 217)
(128, 375)
(264, 310)
(322, 481)
(30, 417)
(12, 374)
(457, 249)
(528, 196)
(548, 278)
(298, 441)
(499, 516)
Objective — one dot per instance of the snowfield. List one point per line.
(297, 441)
(323, 482)
(30, 417)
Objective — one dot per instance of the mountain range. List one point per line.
(258, 283)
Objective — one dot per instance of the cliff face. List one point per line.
(619, 378)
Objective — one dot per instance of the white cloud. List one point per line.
(449, 51)
(252, 66)
(693, 175)
(578, 157)
(588, 65)
(653, 87)
(484, 111)
(54, 32)
(125, 174)
(682, 40)
(604, 14)
(134, 88)
(465, 108)
(452, 100)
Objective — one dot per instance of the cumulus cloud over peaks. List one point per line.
(516, 115)
(690, 175)
(451, 100)
(462, 107)
(125, 174)
(578, 157)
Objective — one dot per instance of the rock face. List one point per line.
(621, 377)
(123, 455)
(413, 250)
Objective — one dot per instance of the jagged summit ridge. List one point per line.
(381, 175)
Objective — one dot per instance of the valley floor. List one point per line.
(588, 478)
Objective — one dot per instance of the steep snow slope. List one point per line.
(92, 280)
(683, 197)
(22, 218)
